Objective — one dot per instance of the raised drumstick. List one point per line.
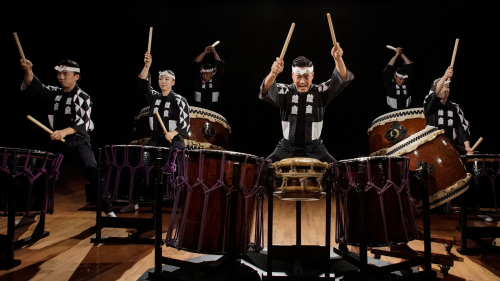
(161, 123)
(454, 54)
(287, 41)
(19, 46)
(216, 43)
(390, 47)
(42, 126)
(331, 30)
(150, 38)
(477, 143)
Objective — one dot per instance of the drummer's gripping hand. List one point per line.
(468, 148)
(170, 135)
(60, 134)
(148, 59)
(27, 66)
(277, 67)
(337, 52)
(448, 73)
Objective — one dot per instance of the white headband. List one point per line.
(299, 71)
(401, 76)
(447, 82)
(166, 73)
(63, 68)
(207, 70)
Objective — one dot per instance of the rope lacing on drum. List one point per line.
(170, 167)
(259, 190)
(339, 216)
(345, 192)
(50, 178)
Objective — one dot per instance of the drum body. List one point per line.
(208, 129)
(484, 193)
(142, 128)
(448, 177)
(391, 128)
(36, 173)
(202, 197)
(299, 179)
(129, 175)
(389, 214)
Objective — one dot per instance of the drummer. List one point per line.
(69, 109)
(397, 82)
(442, 113)
(172, 107)
(207, 80)
(302, 106)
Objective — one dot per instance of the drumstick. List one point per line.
(161, 123)
(150, 38)
(287, 40)
(454, 54)
(42, 126)
(390, 47)
(19, 46)
(216, 43)
(477, 143)
(331, 30)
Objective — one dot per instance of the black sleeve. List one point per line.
(388, 74)
(272, 96)
(37, 89)
(219, 64)
(409, 70)
(331, 88)
(146, 89)
(431, 103)
(462, 125)
(195, 69)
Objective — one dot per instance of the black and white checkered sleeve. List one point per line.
(183, 125)
(83, 107)
(463, 126)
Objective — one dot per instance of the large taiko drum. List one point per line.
(204, 184)
(391, 128)
(389, 213)
(142, 128)
(209, 129)
(36, 173)
(129, 175)
(299, 179)
(448, 177)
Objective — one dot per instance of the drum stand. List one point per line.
(7, 242)
(299, 253)
(227, 263)
(141, 224)
(369, 271)
(476, 234)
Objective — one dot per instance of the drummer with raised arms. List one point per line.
(207, 79)
(398, 82)
(302, 106)
(442, 113)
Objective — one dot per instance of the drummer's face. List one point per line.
(166, 82)
(206, 76)
(445, 91)
(399, 81)
(302, 82)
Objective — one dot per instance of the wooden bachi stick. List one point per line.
(216, 43)
(42, 126)
(477, 143)
(150, 38)
(161, 123)
(332, 32)
(287, 41)
(19, 46)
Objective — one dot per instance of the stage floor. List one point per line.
(67, 254)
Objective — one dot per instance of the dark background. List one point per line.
(109, 41)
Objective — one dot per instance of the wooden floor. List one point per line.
(67, 254)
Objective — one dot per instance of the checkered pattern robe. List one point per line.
(175, 120)
(449, 117)
(398, 97)
(65, 110)
(286, 98)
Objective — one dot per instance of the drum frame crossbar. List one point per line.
(365, 269)
(182, 184)
(302, 177)
(404, 189)
(477, 234)
(8, 242)
(111, 164)
(50, 176)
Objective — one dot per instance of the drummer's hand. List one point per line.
(399, 51)
(170, 135)
(58, 135)
(277, 67)
(337, 52)
(26, 65)
(448, 73)
(148, 59)
(468, 148)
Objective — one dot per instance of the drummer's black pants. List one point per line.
(83, 155)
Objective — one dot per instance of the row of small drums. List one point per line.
(209, 129)
(203, 180)
(404, 133)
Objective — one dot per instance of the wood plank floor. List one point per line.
(67, 254)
